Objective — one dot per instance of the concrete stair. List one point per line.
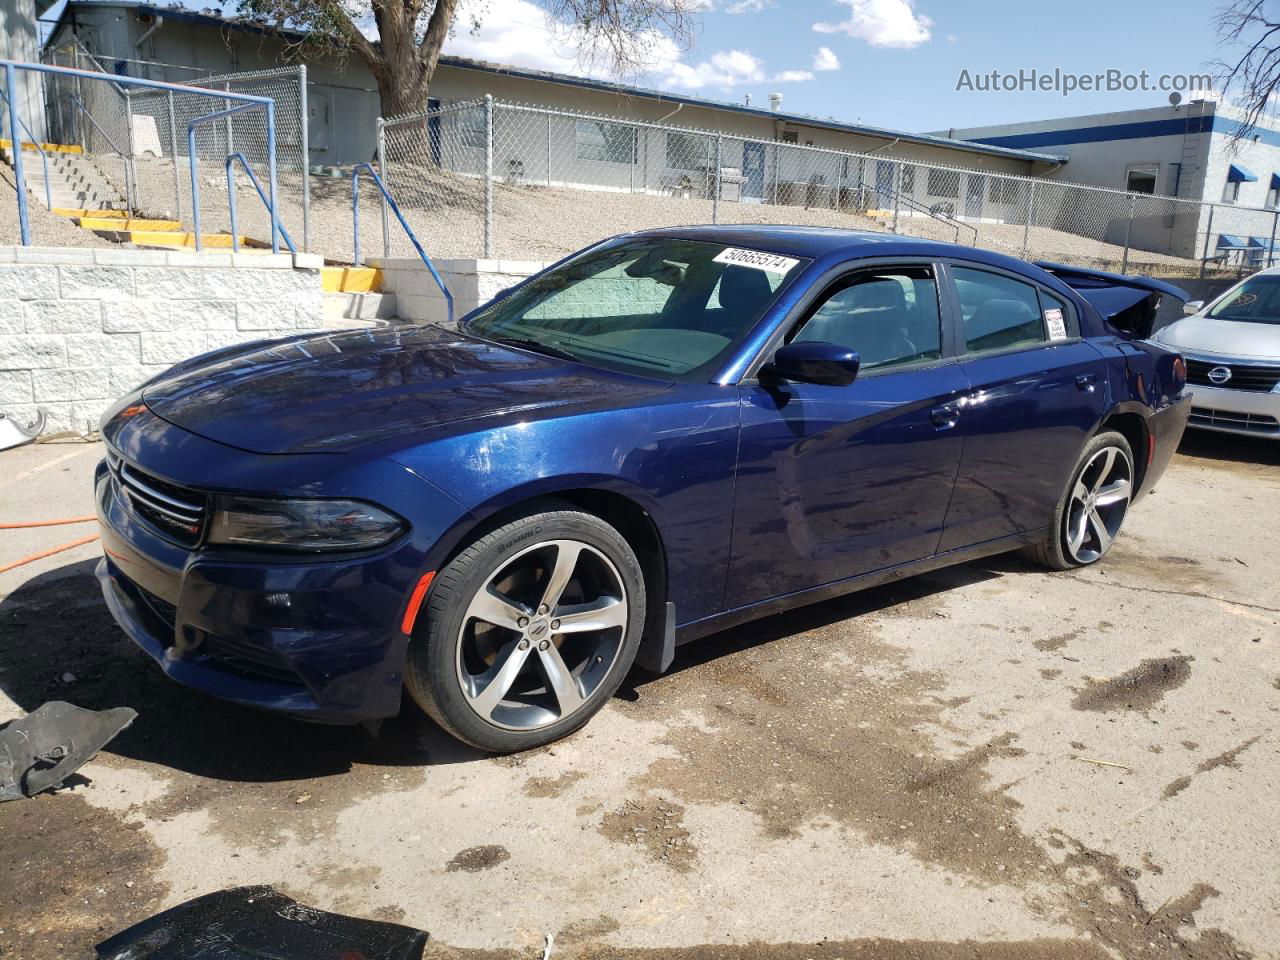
(342, 306)
(73, 180)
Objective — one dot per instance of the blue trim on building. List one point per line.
(1138, 130)
(1239, 173)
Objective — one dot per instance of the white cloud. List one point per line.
(518, 33)
(882, 23)
(746, 6)
(792, 76)
(825, 59)
(725, 69)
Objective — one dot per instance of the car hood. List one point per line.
(1227, 338)
(331, 393)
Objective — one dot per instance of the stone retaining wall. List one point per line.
(81, 327)
(472, 282)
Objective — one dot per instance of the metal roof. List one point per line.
(799, 119)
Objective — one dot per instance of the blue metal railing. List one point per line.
(44, 157)
(395, 208)
(246, 101)
(231, 199)
(271, 167)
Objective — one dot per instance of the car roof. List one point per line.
(834, 244)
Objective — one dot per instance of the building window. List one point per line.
(1005, 191)
(944, 183)
(1141, 180)
(470, 127)
(1231, 192)
(688, 151)
(1273, 198)
(606, 142)
(908, 186)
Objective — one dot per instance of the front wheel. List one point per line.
(1093, 507)
(529, 631)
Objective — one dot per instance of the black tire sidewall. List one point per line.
(433, 650)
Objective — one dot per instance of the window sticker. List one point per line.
(770, 262)
(1057, 326)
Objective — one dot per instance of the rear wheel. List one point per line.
(1093, 507)
(529, 631)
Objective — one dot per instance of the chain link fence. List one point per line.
(489, 178)
(138, 140)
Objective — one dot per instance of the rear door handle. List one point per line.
(1087, 382)
(945, 417)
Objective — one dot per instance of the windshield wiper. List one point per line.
(537, 346)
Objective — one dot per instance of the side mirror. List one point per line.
(825, 364)
(1192, 307)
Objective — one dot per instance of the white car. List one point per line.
(1232, 350)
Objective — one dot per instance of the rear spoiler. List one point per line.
(1128, 303)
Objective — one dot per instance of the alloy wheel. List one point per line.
(1099, 502)
(541, 634)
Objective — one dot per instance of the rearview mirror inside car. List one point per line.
(826, 364)
(1192, 307)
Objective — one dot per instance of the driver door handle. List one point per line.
(946, 416)
(1087, 382)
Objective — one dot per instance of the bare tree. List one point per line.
(1251, 31)
(400, 40)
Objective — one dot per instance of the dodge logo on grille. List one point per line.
(1219, 375)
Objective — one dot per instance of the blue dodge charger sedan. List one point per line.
(661, 436)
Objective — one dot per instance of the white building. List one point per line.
(1185, 151)
(344, 104)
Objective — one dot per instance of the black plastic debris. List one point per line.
(39, 751)
(258, 923)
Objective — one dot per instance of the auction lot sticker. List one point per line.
(756, 258)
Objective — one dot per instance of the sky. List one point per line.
(890, 63)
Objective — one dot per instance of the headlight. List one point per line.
(302, 524)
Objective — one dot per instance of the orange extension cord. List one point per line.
(46, 553)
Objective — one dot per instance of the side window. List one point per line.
(1059, 319)
(997, 312)
(889, 316)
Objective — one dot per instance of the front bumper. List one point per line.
(1245, 412)
(319, 640)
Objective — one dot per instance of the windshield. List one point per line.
(1257, 300)
(654, 306)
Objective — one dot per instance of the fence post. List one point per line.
(1271, 249)
(488, 176)
(382, 172)
(1031, 209)
(271, 172)
(715, 197)
(1128, 233)
(548, 148)
(130, 181)
(15, 138)
(84, 136)
(897, 192)
(173, 152)
(304, 134)
(1208, 232)
(226, 105)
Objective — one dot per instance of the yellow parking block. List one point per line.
(47, 147)
(98, 214)
(351, 279)
(176, 240)
(122, 223)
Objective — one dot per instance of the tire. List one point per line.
(498, 670)
(1092, 508)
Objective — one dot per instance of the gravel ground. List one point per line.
(985, 762)
(47, 230)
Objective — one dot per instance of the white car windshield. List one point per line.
(1257, 300)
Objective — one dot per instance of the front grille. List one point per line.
(246, 658)
(164, 611)
(174, 511)
(1243, 376)
(1230, 420)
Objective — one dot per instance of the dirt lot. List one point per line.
(989, 761)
